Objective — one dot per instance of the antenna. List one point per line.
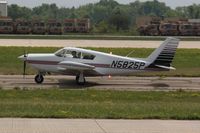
(129, 53)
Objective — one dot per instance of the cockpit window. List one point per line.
(74, 54)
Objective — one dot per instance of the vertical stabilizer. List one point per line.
(163, 56)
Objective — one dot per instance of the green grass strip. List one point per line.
(55, 103)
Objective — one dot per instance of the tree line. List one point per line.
(107, 16)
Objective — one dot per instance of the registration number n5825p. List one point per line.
(128, 64)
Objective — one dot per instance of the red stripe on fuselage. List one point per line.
(43, 62)
(56, 63)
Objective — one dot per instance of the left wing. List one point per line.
(74, 66)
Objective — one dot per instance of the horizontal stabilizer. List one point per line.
(165, 67)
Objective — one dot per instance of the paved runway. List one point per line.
(14, 125)
(92, 43)
(115, 83)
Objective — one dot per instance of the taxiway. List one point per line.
(92, 43)
(114, 83)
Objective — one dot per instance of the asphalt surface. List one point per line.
(114, 83)
(14, 125)
(92, 43)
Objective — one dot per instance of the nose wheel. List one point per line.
(39, 79)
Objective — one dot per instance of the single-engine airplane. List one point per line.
(84, 63)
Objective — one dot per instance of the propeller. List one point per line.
(24, 68)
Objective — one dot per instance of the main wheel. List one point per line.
(80, 82)
(39, 79)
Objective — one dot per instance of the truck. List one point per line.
(77, 25)
(169, 27)
(6, 25)
(69, 25)
(38, 27)
(149, 30)
(54, 27)
(186, 29)
(22, 26)
(83, 25)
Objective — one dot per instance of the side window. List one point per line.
(87, 56)
(76, 54)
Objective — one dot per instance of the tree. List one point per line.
(15, 12)
(46, 11)
(153, 7)
(119, 19)
(192, 11)
(102, 27)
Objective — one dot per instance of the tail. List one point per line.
(163, 56)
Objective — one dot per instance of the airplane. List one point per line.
(85, 63)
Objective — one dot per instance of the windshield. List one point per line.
(60, 53)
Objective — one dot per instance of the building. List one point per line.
(3, 8)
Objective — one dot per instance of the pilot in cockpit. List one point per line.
(74, 54)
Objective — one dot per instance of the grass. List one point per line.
(94, 37)
(55, 103)
(187, 61)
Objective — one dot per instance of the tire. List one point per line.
(80, 83)
(39, 79)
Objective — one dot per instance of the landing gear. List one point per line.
(80, 79)
(39, 78)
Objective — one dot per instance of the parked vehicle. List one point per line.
(69, 25)
(82, 25)
(38, 27)
(6, 25)
(22, 27)
(170, 27)
(54, 27)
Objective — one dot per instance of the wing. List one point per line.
(74, 68)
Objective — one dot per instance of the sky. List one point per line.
(77, 3)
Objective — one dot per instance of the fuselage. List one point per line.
(105, 64)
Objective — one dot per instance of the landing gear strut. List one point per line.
(39, 78)
(80, 79)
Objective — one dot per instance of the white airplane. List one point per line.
(84, 63)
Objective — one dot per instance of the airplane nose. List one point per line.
(22, 58)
